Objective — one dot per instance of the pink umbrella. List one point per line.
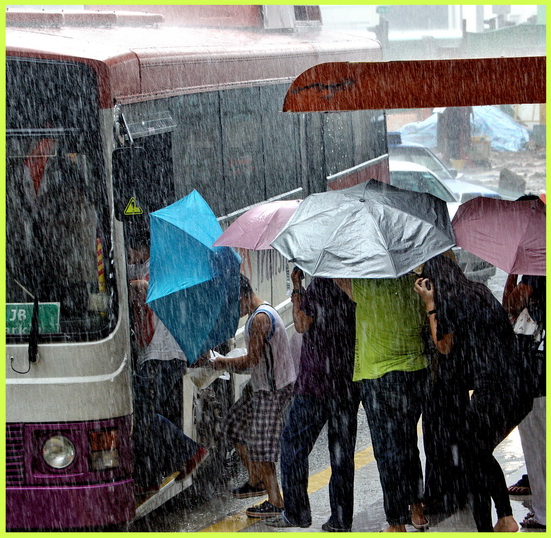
(507, 234)
(257, 228)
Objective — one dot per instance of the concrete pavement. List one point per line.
(369, 514)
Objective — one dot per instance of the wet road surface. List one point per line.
(223, 513)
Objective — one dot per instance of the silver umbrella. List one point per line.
(371, 230)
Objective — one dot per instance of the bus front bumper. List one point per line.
(56, 507)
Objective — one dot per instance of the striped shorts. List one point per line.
(256, 421)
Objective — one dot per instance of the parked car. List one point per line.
(414, 177)
(419, 154)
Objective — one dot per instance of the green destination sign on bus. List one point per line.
(19, 316)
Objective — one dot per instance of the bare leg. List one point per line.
(253, 471)
(395, 528)
(267, 470)
(506, 524)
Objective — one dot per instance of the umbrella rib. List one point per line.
(334, 233)
(207, 244)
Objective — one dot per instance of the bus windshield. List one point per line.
(56, 241)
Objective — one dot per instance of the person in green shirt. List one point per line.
(391, 366)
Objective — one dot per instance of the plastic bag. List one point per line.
(524, 324)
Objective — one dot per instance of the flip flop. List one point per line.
(530, 522)
(421, 526)
(519, 490)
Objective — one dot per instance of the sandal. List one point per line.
(420, 526)
(530, 522)
(522, 487)
(420, 515)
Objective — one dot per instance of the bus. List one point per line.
(112, 113)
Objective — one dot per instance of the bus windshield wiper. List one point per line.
(35, 327)
(34, 333)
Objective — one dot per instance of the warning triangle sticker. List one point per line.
(132, 208)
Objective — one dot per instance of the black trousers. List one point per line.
(304, 422)
(393, 404)
(491, 415)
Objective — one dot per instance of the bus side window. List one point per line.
(244, 171)
(198, 149)
(280, 135)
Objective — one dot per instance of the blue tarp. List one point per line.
(504, 133)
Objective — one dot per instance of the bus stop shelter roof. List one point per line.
(341, 86)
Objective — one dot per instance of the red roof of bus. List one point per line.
(143, 63)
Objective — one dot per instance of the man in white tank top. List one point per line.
(255, 421)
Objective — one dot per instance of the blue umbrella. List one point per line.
(193, 287)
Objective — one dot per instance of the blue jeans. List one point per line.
(304, 422)
(393, 404)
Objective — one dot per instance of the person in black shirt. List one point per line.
(477, 350)
(324, 393)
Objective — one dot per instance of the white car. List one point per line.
(414, 177)
(425, 157)
(417, 178)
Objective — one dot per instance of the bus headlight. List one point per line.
(58, 452)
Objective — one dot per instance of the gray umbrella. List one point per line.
(371, 230)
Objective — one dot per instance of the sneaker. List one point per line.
(327, 527)
(281, 522)
(522, 487)
(247, 490)
(199, 457)
(266, 509)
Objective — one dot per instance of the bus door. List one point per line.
(144, 181)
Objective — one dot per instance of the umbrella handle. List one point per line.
(297, 271)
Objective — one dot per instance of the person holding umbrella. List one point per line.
(324, 394)
(255, 421)
(376, 234)
(527, 296)
(477, 350)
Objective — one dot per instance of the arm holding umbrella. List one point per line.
(138, 288)
(301, 320)
(515, 295)
(425, 290)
